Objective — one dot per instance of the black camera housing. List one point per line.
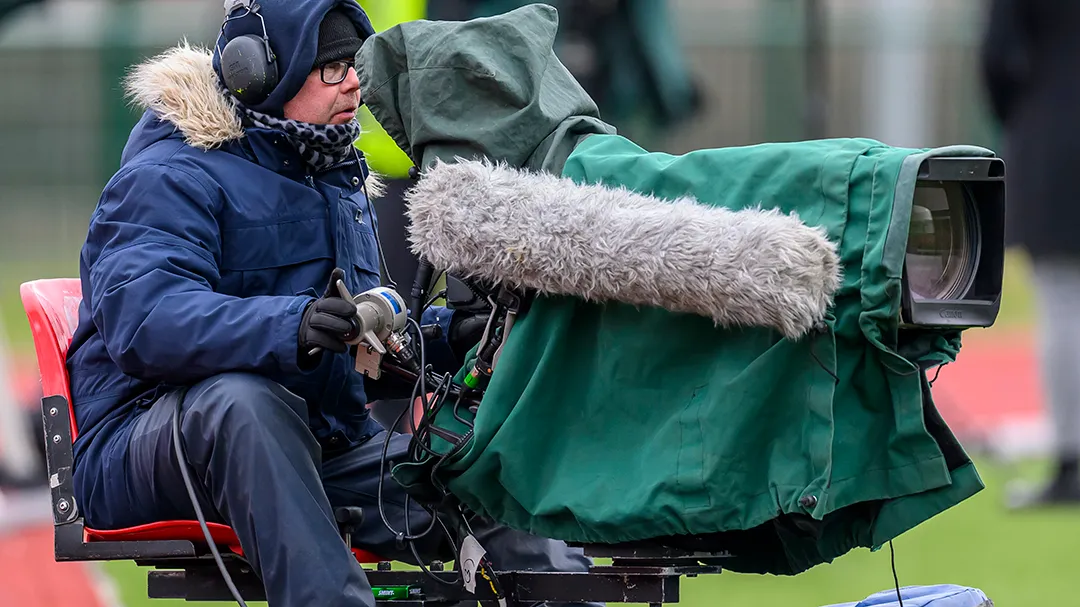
(981, 184)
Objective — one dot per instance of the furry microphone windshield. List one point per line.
(539, 231)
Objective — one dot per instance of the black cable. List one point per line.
(444, 458)
(407, 536)
(419, 434)
(420, 386)
(416, 554)
(181, 457)
(423, 361)
(436, 297)
(485, 563)
(382, 476)
(453, 541)
(428, 428)
(494, 581)
(408, 527)
(896, 578)
(431, 411)
(371, 214)
(457, 416)
(427, 422)
(435, 405)
(936, 372)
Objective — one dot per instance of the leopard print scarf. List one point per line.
(322, 146)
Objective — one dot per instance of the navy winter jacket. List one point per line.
(206, 247)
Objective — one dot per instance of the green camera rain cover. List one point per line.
(608, 423)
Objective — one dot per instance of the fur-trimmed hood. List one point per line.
(180, 86)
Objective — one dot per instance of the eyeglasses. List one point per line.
(335, 71)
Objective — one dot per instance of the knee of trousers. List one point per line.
(225, 402)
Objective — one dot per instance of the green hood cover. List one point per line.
(489, 87)
(607, 423)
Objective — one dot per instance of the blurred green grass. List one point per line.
(1017, 559)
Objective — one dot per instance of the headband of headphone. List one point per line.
(248, 65)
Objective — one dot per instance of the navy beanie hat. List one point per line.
(338, 38)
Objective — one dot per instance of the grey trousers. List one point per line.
(1057, 283)
(258, 468)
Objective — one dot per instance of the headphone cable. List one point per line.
(371, 213)
(182, 461)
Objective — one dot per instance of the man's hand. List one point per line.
(466, 329)
(328, 323)
(469, 299)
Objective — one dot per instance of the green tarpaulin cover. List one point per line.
(609, 423)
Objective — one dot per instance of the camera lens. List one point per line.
(942, 251)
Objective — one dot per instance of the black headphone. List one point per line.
(248, 64)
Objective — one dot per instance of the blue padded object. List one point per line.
(943, 595)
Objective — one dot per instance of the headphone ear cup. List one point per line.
(246, 71)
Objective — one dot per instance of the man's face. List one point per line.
(322, 103)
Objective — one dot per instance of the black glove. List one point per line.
(466, 329)
(469, 299)
(328, 323)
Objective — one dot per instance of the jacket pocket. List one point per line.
(276, 259)
(361, 245)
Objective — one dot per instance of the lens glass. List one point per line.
(335, 71)
(941, 251)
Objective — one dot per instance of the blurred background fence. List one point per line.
(903, 71)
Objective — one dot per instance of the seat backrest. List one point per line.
(52, 307)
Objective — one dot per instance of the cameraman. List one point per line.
(207, 279)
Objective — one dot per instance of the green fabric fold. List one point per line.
(606, 423)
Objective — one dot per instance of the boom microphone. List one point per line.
(539, 231)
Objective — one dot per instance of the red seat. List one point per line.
(52, 307)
